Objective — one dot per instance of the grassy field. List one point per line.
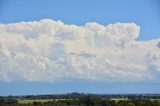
(31, 101)
(27, 101)
(155, 99)
(119, 99)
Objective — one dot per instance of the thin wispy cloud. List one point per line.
(49, 50)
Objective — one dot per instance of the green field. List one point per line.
(119, 99)
(30, 101)
(155, 100)
(26, 101)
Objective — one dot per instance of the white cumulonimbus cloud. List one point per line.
(49, 50)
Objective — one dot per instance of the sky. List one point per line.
(100, 46)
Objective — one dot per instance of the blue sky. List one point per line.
(144, 13)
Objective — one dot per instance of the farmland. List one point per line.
(26, 101)
(77, 99)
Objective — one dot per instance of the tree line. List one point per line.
(76, 99)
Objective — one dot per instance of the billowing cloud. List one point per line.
(50, 50)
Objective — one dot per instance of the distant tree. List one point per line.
(104, 103)
(68, 103)
(131, 104)
(37, 103)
